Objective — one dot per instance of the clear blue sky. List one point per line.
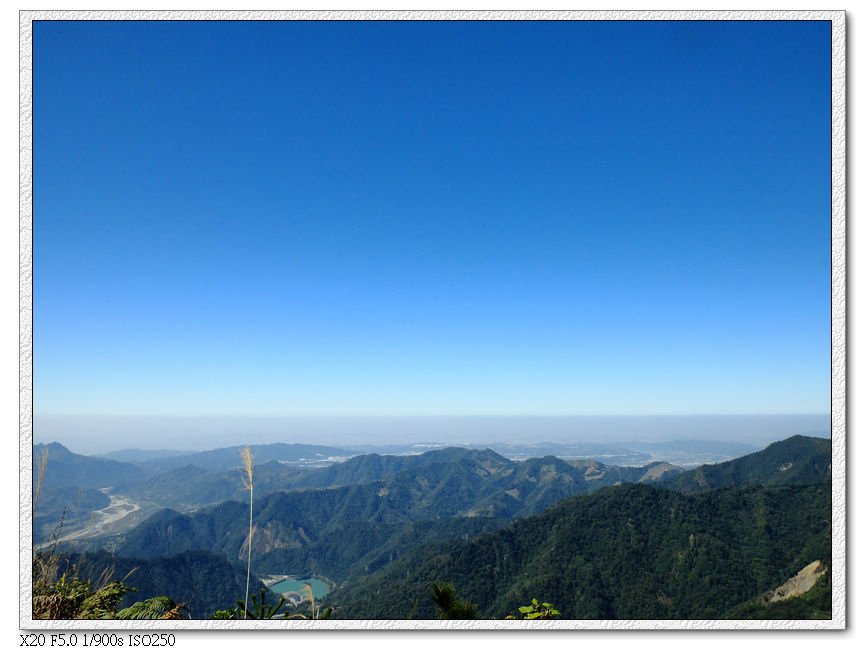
(431, 218)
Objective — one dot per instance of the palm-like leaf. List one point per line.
(451, 606)
(152, 608)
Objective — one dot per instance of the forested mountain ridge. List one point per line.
(192, 487)
(767, 517)
(626, 552)
(798, 460)
(506, 483)
(374, 467)
(387, 490)
(184, 485)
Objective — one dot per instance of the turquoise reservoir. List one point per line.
(319, 588)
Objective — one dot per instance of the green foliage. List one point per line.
(261, 609)
(203, 581)
(103, 602)
(314, 614)
(157, 607)
(61, 593)
(539, 611)
(449, 605)
(72, 598)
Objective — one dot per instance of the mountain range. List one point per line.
(382, 490)
(628, 552)
(599, 540)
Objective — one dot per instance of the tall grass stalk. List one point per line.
(310, 596)
(40, 476)
(248, 483)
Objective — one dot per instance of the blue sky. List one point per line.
(431, 218)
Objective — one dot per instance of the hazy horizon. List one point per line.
(103, 434)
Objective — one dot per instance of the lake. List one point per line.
(319, 588)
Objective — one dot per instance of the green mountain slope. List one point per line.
(356, 529)
(382, 490)
(499, 486)
(359, 548)
(203, 581)
(304, 530)
(798, 460)
(630, 551)
(699, 551)
(192, 486)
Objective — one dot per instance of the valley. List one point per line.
(106, 520)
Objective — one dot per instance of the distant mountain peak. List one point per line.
(798, 460)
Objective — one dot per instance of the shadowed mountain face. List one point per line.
(72, 487)
(67, 469)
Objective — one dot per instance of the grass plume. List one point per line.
(40, 475)
(248, 483)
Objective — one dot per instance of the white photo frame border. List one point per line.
(838, 318)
